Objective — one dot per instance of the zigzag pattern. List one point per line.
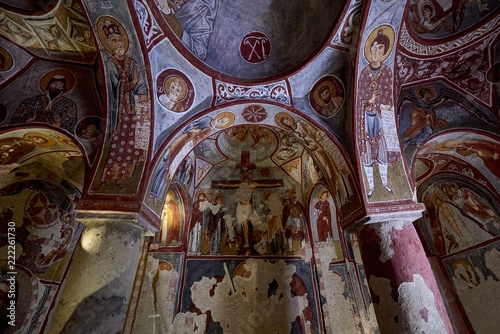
(414, 47)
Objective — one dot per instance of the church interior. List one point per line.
(267, 166)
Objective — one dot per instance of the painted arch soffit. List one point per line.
(473, 155)
(276, 142)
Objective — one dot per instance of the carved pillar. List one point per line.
(403, 288)
(96, 293)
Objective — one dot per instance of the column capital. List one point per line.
(376, 218)
(92, 217)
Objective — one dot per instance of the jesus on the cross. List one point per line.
(244, 193)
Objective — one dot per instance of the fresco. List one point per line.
(323, 216)
(129, 116)
(438, 19)
(159, 294)
(55, 96)
(476, 277)
(457, 217)
(427, 109)
(46, 229)
(265, 296)
(174, 91)
(478, 150)
(377, 139)
(172, 219)
(327, 96)
(41, 154)
(304, 155)
(258, 39)
(61, 33)
(463, 69)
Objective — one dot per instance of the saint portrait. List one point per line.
(174, 91)
(375, 97)
(127, 97)
(52, 106)
(327, 96)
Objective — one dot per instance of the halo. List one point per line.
(281, 115)
(430, 4)
(387, 31)
(317, 98)
(102, 36)
(8, 61)
(219, 195)
(60, 72)
(171, 193)
(222, 115)
(66, 141)
(164, 265)
(267, 193)
(198, 194)
(322, 192)
(48, 140)
(429, 88)
(168, 81)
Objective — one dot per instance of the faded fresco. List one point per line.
(40, 154)
(46, 234)
(264, 296)
(163, 274)
(476, 277)
(173, 217)
(457, 217)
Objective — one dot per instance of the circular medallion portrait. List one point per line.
(327, 96)
(174, 90)
(89, 128)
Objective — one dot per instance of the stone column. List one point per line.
(95, 295)
(403, 288)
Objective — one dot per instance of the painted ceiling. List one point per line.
(141, 91)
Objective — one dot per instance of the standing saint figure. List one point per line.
(197, 218)
(375, 95)
(324, 216)
(294, 219)
(124, 120)
(273, 209)
(170, 222)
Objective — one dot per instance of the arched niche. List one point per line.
(44, 154)
(279, 155)
(473, 155)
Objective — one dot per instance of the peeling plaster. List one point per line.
(386, 238)
(414, 312)
(246, 297)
